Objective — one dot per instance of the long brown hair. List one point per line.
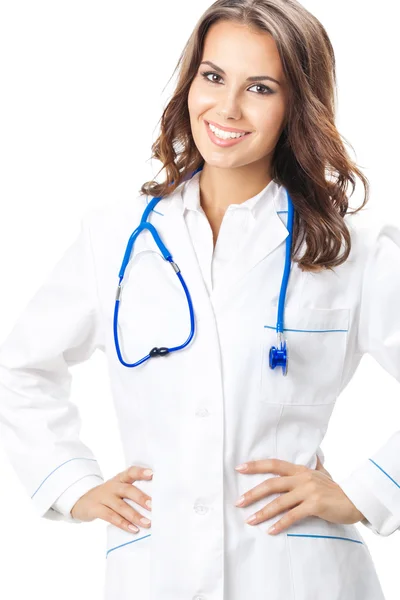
(310, 147)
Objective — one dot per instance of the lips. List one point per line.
(229, 130)
(225, 142)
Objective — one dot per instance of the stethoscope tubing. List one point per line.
(162, 351)
(277, 357)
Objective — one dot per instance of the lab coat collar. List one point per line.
(269, 232)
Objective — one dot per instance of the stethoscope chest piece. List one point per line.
(278, 357)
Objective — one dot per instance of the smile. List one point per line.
(221, 133)
(224, 138)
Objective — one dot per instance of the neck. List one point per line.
(221, 187)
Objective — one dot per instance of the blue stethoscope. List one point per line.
(278, 356)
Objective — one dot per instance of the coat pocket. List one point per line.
(128, 558)
(330, 561)
(316, 340)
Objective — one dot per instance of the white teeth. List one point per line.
(225, 135)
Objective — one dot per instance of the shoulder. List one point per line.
(111, 225)
(114, 213)
(375, 239)
(367, 227)
(125, 213)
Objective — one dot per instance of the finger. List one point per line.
(296, 514)
(115, 518)
(320, 467)
(272, 465)
(126, 511)
(278, 506)
(128, 490)
(272, 485)
(133, 473)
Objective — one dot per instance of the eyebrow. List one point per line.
(253, 78)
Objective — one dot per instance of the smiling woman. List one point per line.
(247, 139)
(229, 91)
(285, 104)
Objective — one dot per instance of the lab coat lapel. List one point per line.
(269, 232)
(170, 223)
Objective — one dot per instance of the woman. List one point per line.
(193, 412)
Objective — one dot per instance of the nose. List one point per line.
(230, 107)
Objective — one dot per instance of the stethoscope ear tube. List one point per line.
(278, 356)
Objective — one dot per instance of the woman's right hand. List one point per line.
(106, 502)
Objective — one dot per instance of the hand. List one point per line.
(106, 502)
(310, 492)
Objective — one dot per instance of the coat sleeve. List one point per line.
(39, 425)
(67, 500)
(374, 486)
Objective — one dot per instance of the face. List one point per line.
(230, 100)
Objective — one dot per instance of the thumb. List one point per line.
(320, 467)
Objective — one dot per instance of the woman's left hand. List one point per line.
(309, 492)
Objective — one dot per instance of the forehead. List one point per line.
(235, 47)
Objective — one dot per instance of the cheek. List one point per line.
(199, 99)
(268, 123)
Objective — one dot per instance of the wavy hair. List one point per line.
(310, 159)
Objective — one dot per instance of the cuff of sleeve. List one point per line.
(68, 499)
(57, 481)
(360, 487)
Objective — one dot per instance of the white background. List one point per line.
(83, 86)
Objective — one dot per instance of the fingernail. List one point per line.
(147, 472)
(148, 503)
(272, 529)
(240, 501)
(242, 467)
(145, 521)
(133, 528)
(251, 519)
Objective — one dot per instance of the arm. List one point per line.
(39, 425)
(374, 486)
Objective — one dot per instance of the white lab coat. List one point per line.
(195, 414)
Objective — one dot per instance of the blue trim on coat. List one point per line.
(307, 330)
(387, 474)
(156, 211)
(77, 458)
(333, 537)
(126, 543)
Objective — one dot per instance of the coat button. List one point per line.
(201, 509)
(202, 412)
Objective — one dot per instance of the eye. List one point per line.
(266, 90)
